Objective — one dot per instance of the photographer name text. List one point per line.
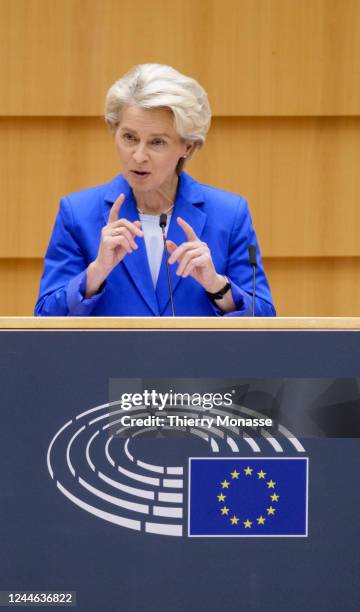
(174, 420)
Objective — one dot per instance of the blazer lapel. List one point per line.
(188, 206)
(135, 263)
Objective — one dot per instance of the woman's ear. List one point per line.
(190, 150)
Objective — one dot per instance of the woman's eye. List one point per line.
(157, 142)
(128, 137)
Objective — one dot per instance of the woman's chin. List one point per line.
(139, 182)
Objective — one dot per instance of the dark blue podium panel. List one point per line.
(240, 492)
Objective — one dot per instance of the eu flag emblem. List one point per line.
(248, 497)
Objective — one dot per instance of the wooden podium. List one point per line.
(184, 323)
(62, 491)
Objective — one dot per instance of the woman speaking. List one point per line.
(106, 255)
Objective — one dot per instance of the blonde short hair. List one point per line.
(158, 86)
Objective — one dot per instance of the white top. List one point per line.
(154, 242)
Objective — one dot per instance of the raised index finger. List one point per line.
(190, 234)
(114, 212)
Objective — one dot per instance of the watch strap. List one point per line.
(219, 294)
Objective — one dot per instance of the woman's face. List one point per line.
(149, 148)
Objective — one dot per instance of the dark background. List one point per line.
(47, 543)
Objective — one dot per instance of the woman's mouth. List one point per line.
(140, 173)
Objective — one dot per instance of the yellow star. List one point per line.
(235, 474)
(260, 520)
(261, 474)
(274, 497)
(221, 497)
(248, 471)
(224, 510)
(270, 510)
(247, 524)
(225, 484)
(271, 484)
(234, 520)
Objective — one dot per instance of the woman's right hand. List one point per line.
(117, 240)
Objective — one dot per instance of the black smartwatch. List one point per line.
(219, 294)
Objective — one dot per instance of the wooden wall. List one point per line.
(282, 78)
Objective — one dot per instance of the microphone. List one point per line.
(162, 223)
(253, 263)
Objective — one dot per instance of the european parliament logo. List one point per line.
(248, 497)
(184, 471)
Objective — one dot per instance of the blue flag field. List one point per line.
(247, 497)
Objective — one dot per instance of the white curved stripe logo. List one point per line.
(99, 472)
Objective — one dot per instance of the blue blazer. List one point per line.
(219, 218)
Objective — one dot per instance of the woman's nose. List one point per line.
(140, 153)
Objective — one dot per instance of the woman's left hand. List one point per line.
(195, 260)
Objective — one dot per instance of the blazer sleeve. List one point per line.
(62, 286)
(239, 270)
